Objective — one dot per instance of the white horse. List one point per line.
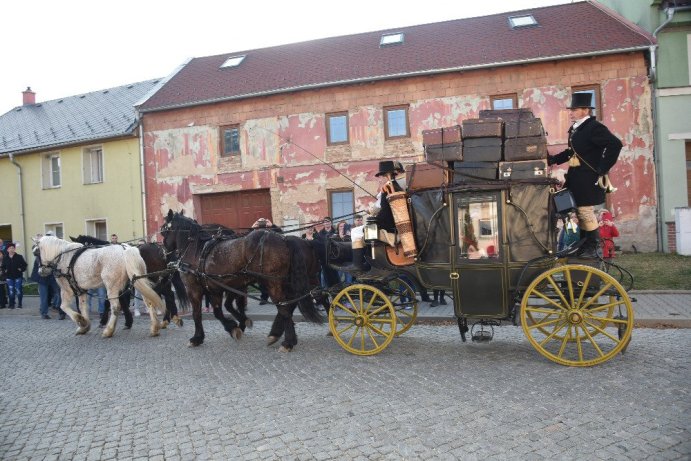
(77, 270)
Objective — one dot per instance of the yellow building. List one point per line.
(73, 166)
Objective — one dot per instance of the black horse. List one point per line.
(210, 265)
(163, 278)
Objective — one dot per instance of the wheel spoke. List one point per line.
(549, 300)
(541, 310)
(606, 320)
(380, 331)
(602, 307)
(371, 336)
(557, 329)
(543, 324)
(603, 331)
(593, 342)
(564, 342)
(569, 287)
(584, 289)
(353, 304)
(558, 291)
(596, 296)
(346, 328)
(579, 346)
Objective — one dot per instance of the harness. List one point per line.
(69, 275)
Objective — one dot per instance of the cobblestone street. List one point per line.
(427, 396)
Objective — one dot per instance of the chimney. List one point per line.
(28, 97)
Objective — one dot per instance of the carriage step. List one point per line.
(483, 331)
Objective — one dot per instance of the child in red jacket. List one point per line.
(607, 233)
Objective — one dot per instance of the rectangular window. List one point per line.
(396, 122)
(504, 101)
(230, 140)
(50, 171)
(341, 204)
(594, 90)
(478, 225)
(97, 228)
(56, 229)
(337, 128)
(92, 162)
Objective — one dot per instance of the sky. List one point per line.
(69, 47)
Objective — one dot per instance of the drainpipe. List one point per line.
(21, 202)
(669, 11)
(142, 179)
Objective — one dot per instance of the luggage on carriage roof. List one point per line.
(468, 172)
(482, 128)
(443, 144)
(425, 176)
(528, 169)
(529, 148)
(523, 128)
(482, 150)
(508, 114)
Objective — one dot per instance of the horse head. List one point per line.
(177, 231)
(49, 249)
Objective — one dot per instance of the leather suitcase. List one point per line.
(528, 148)
(483, 128)
(482, 150)
(527, 169)
(469, 172)
(424, 176)
(523, 127)
(508, 114)
(444, 152)
(445, 135)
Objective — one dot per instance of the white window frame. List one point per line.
(98, 228)
(93, 174)
(50, 178)
(58, 229)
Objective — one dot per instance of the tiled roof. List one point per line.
(563, 31)
(75, 119)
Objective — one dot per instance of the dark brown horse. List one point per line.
(212, 264)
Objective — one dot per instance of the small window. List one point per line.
(50, 170)
(391, 39)
(396, 122)
(230, 140)
(504, 101)
(233, 61)
(527, 20)
(594, 90)
(478, 226)
(92, 162)
(56, 229)
(341, 206)
(97, 228)
(337, 128)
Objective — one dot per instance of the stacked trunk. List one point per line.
(501, 144)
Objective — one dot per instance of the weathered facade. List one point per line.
(284, 150)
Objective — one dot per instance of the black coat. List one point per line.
(13, 267)
(598, 150)
(385, 216)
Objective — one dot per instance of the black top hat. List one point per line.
(579, 100)
(388, 166)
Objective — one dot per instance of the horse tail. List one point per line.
(135, 269)
(299, 281)
(180, 291)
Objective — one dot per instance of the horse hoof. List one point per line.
(236, 333)
(107, 333)
(154, 334)
(249, 323)
(177, 321)
(272, 340)
(285, 349)
(164, 325)
(195, 342)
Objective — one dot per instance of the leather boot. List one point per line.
(589, 249)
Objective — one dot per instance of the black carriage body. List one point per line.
(480, 242)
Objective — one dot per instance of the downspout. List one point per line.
(21, 201)
(669, 11)
(142, 179)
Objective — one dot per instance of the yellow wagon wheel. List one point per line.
(362, 319)
(577, 315)
(402, 296)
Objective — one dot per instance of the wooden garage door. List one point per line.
(237, 210)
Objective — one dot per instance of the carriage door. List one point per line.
(478, 275)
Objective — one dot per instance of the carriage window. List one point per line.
(478, 226)
(396, 122)
(92, 162)
(230, 140)
(50, 169)
(337, 128)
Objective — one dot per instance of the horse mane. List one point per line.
(88, 240)
(52, 247)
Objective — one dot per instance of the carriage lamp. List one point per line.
(371, 231)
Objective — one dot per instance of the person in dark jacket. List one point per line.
(13, 266)
(46, 287)
(593, 150)
(381, 209)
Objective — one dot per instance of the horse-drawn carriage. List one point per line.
(491, 244)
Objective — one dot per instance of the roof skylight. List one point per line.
(391, 39)
(526, 20)
(233, 61)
